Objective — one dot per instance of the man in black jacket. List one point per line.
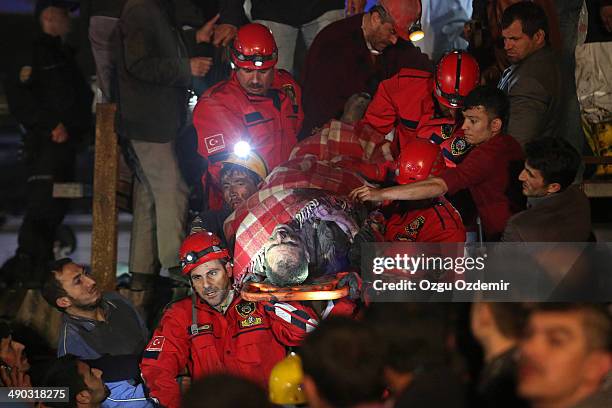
(50, 98)
(155, 73)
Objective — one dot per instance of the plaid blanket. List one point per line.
(311, 166)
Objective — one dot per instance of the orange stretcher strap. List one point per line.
(326, 290)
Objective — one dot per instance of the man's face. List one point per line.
(211, 281)
(285, 247)
(237, 187)
(80, 286)
(56, 21)
(533, 182)
(382, 34)
(517, 44)
(255, 81)
(92, 377)
(554, 358)
(12, 354)
(476, 125)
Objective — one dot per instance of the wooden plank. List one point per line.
(597, 188)
(104, 236)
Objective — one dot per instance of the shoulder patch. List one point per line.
(25, 73)
(156, 343)
(415, 225)
(245, 309)
(459, 146)
(214, 143)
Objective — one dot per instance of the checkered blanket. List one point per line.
(282, 198)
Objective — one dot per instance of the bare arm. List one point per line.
(432, 187)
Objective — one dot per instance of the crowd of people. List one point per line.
(373, 143)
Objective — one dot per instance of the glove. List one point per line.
(353, 281)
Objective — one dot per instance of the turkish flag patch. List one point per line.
(156, 344)
(214, 143)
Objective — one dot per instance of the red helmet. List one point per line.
(419, 159)
(457, 74)
(404, 13)
(254, 48)
(200, 248)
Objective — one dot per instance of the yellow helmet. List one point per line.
(286, 382)
(251, 161)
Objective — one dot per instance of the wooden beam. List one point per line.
(597, 188)
(104, 236)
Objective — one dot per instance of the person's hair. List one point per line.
(343, 359)
(52, 288)
(225, 391)
(413, 336)
(385, 17)
(555, 158)
(231, 168)
(288, 271)
(596, 320)
(494, 101)
(63, 372)
(509, 318)
(531, 16)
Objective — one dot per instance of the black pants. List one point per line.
(46, 164)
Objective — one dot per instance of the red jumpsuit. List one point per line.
(404, 102)
(248, 340)
(226, 113)
(439, 222)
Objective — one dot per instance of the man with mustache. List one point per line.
(14, 363)
(566, 356)
(102, 328)
(215, 330)
(259, 104)
(558, 211)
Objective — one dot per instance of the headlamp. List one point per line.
(242, 149)
(416, 33)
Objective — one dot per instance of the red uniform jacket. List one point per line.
(248, 340)
(226, 113)
(439, 222)
(400, 103)
(449, 135)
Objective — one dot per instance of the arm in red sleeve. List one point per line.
(290, 321)
(165, 357)
(382, 113)
(473, 170)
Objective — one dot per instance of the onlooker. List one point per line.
(417, 358)
(353, 55)
(557, 210)
(14, 363)
(225, 391)
(343, 367)
(259, 104)
(534, 82)
(566, 356)
(85, 386)
(154, 75)
(498, 327)
(215, 330)
(48, 95)
(489, 171)
(102, 328)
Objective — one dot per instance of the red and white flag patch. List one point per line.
(214, 143)
(156, 344)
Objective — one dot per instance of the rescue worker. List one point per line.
(427, 220)
(216, 331)
(415, 103)
(489, 172)
(49, 97)
(258, 104)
